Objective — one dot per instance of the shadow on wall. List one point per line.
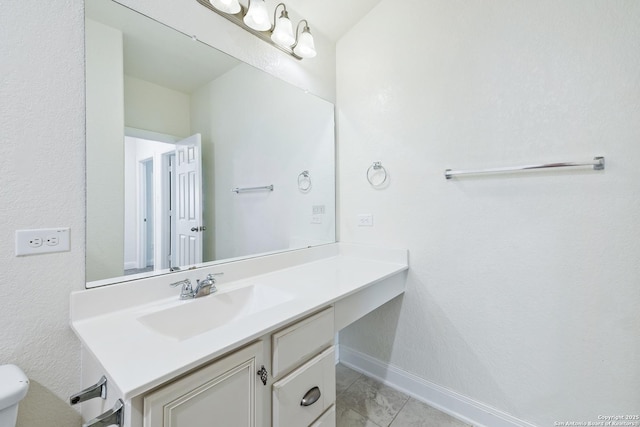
(375, 333)
(429, 338)
(42, 408)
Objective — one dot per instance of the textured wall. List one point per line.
(42, 144)
(523, 288)
(42, 185)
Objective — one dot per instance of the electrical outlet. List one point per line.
(42, 241)
(52, 240)
(317, 210)
(365, 220)
(35, 242)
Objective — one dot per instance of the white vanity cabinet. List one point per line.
(212, 378)
(225, 393)
(228, 392)
(304, 391)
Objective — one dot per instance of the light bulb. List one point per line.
(226, 6)
(257, 16)
(305, 47)
(283, 32)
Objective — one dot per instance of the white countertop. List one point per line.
(138, 359)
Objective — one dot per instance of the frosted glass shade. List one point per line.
(305, 47)
(226, 6)
(257, 16)
(283, 32)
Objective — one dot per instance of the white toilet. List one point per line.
(13, 388)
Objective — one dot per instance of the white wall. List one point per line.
(155, 108)
(251, 140)
(42, 117)
(105, 151)
(523, 290)
(42, 185)
(316, 75)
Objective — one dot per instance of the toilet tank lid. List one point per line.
(13, 385)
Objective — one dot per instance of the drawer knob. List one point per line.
(311, 397)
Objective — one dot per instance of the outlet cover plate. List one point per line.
(42, 241)
(365, 220)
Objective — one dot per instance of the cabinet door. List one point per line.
(227, 393)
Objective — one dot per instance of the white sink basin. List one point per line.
(195, 317)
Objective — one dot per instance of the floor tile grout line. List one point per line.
(365, 417)
(398, 413)
(365, 378)
(350, 385)
(360, 377)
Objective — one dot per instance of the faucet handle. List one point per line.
(211, 276)
(185, 283)
(187, 289)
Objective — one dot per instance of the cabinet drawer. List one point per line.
(328, 419)
(288, 393)
(293, 345)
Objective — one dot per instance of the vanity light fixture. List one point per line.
(257, 16)
(282, 33)
(304, 46)
(226, 6)
(255, 19)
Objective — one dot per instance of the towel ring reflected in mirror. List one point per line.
(304, 182)
(376, 170)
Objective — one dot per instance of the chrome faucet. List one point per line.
(187, 291)
(203, 287)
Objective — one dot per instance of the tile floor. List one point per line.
(364, 402)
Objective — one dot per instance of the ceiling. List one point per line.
(157, 53)
(332, 18)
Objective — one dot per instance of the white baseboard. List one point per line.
(461, 407)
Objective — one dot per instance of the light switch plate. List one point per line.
(365, 220)
(42, 241)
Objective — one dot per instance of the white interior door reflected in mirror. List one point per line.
(188, 216)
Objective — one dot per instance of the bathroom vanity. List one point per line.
(258, 352)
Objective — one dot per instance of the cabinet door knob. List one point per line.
(263, 375)
(311, 397)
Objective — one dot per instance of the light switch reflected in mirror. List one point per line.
(173, 125)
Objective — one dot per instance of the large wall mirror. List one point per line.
(194, 157)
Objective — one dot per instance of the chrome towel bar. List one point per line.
(246, 189)
(597, 163)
